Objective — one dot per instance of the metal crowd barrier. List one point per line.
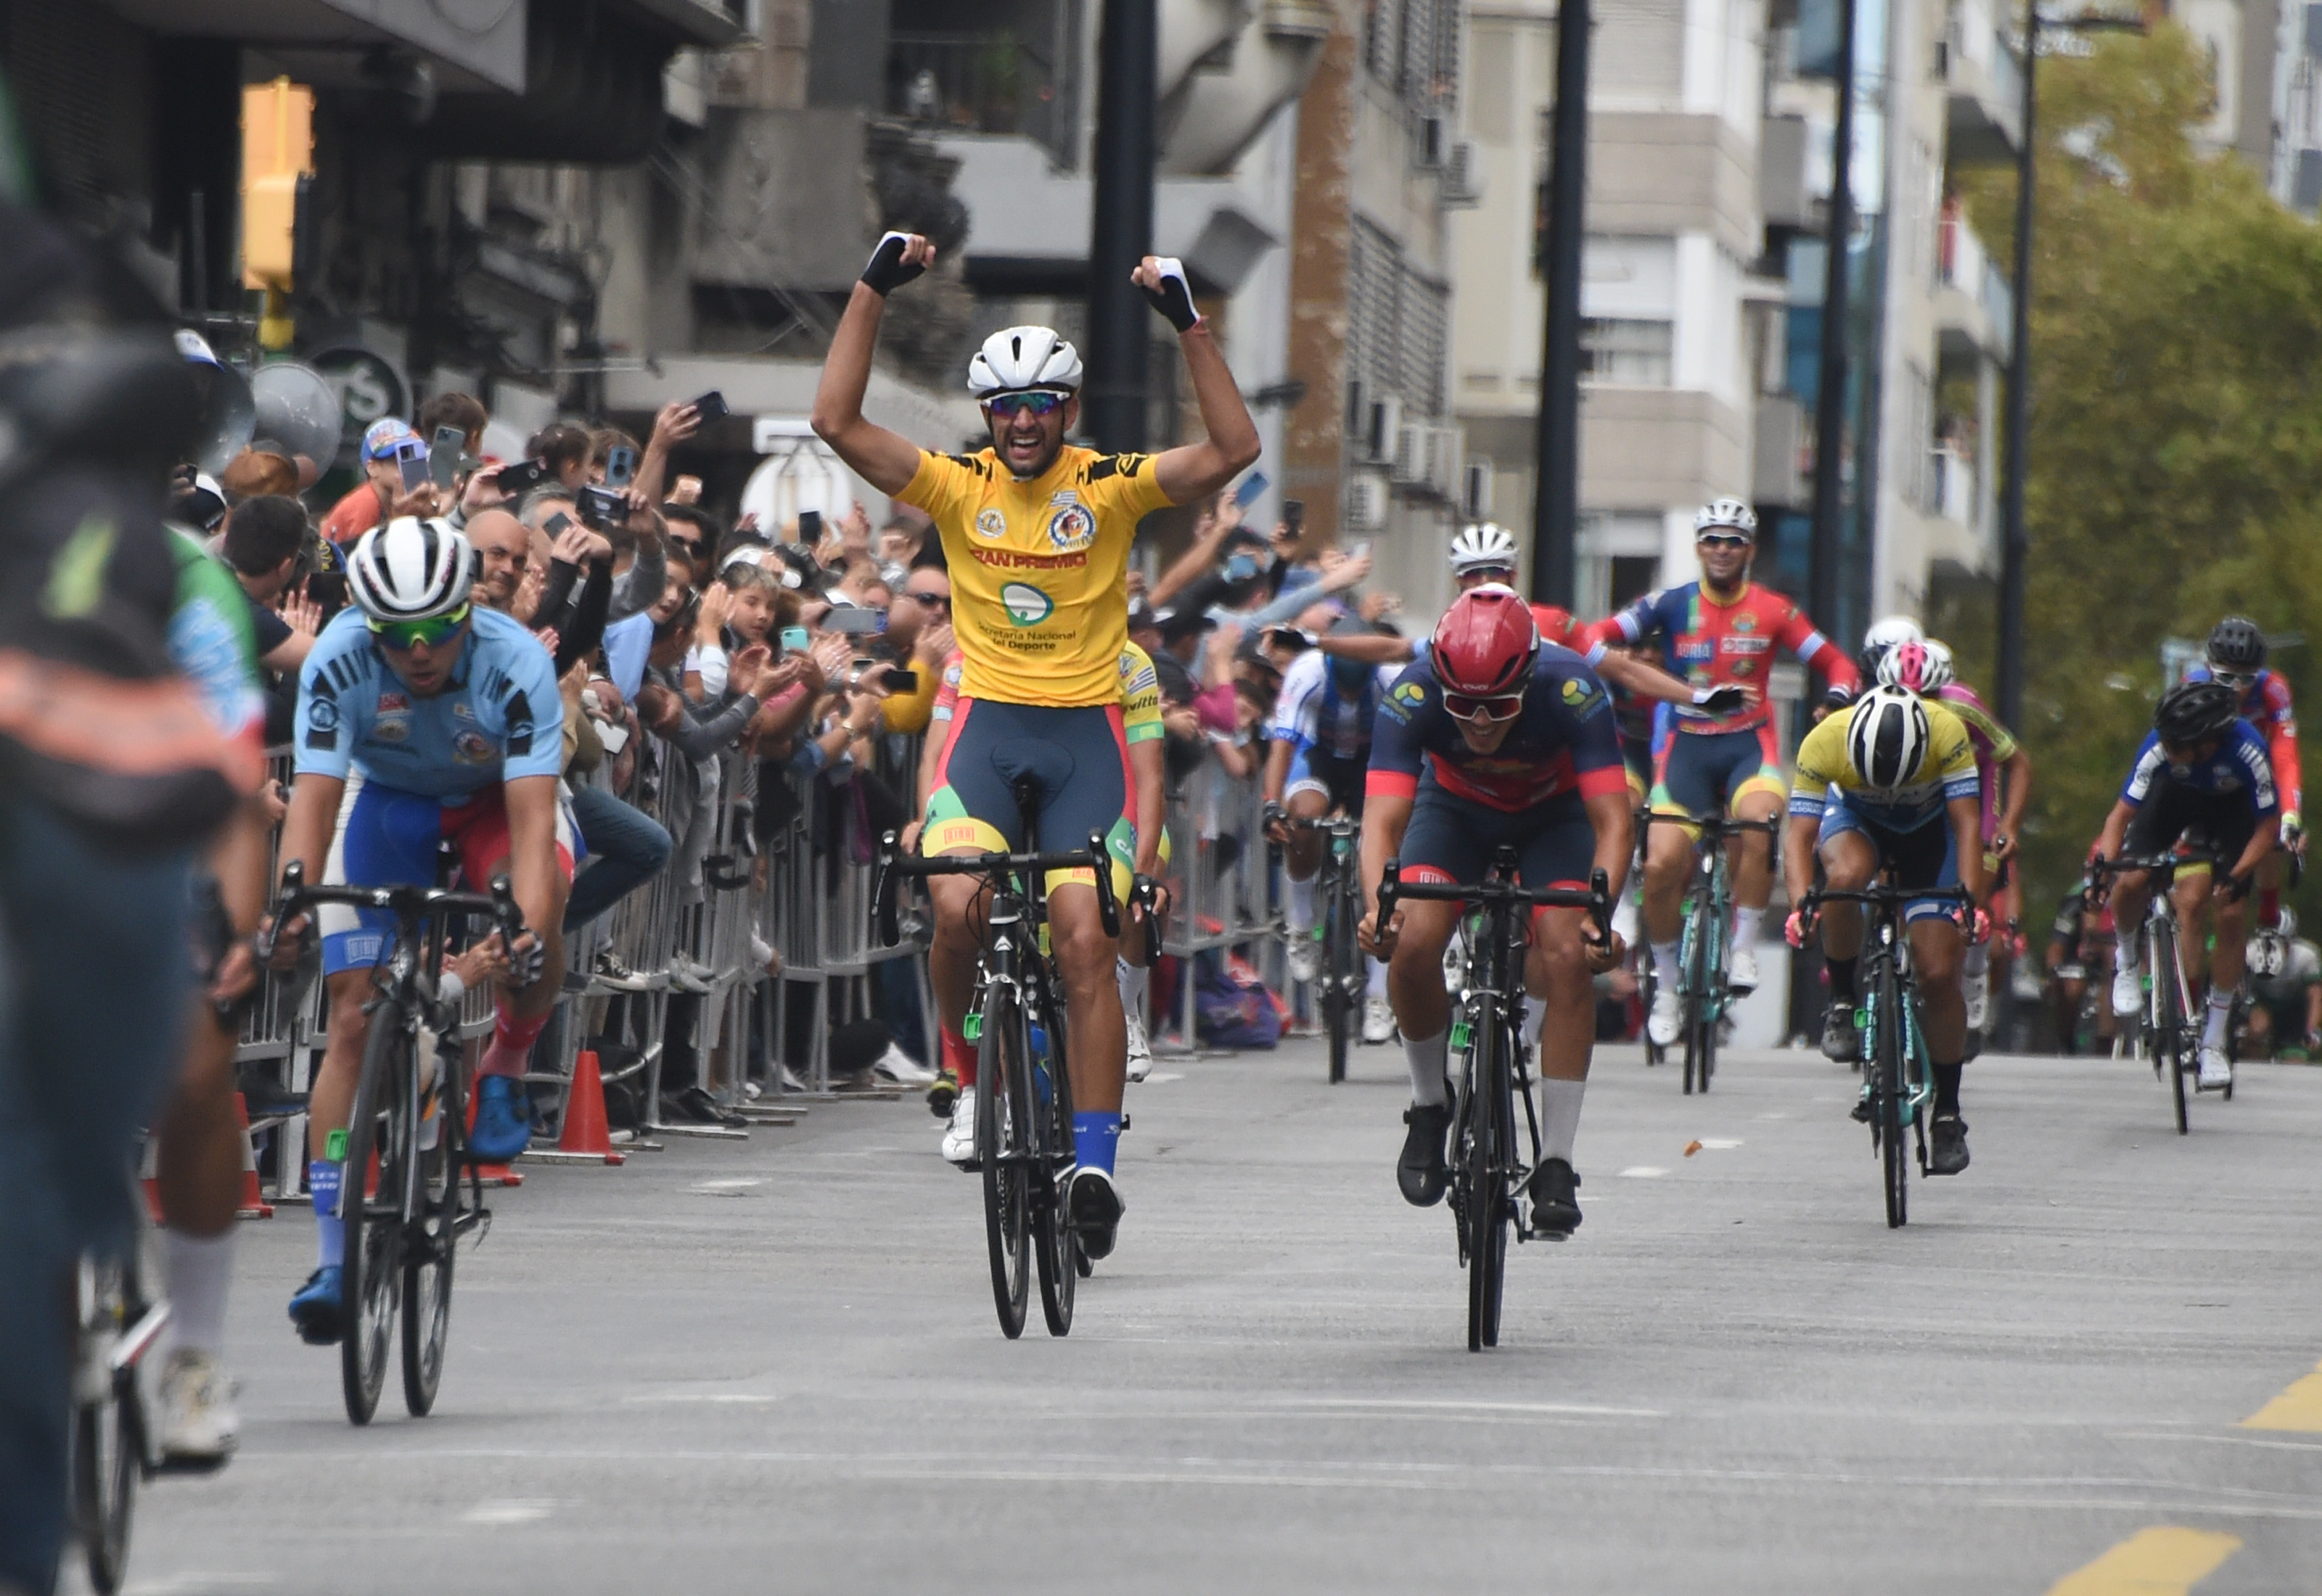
(1224, 883)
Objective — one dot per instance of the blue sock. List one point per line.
(323, 1177)
(1095, 1137)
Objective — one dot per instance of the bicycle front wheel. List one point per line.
(378, 1199)
(1894, 1108)
(107, 1442)
(2163, 969)
(1490, 1122)
(1003, 1136)
(432, 1242)
(1057, 1244)
(1343, 987)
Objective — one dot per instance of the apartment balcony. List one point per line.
(1974, 308)
(1951, 485)
(988, 83)
(1983, 84)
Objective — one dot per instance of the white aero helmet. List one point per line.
(1021, 358)
(411, 570)
(1483, 546)
(1922, 668)
(1886, 738)
(1730, 513)
(1890, 630)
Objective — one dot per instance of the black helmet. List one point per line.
(2237, 646)
(2195, 711)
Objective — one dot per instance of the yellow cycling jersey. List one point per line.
(1946, 772)
(1141, 693)
(1039, 570)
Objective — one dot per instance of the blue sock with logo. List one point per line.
(1096, 1138)
(324, 1177)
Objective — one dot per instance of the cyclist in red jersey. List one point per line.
(2237, 656)
(1721, 630)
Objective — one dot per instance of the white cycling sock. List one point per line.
(199, 1270)
(1559, 1117)
(1132, 979)
(1426, 1057)
(1665, 964)
(1300, 905)
(1746, 922)
(1377, 978)
(2123, 937)
(2213, 1024)
(1978, 961)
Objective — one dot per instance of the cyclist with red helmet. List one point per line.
(1493, 738)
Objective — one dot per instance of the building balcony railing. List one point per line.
(1964, 265)
(978, 83)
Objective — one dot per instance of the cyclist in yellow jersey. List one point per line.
(1036, 535)
(1891, 783)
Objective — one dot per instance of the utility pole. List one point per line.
(2014, 542)
(1556, 492)
(1830, 395)
(1121, 232)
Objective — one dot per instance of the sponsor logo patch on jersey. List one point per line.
(1745, 622)
(1411, 694)
(1695, 648)
(1072, 528)
(991, 522)
(322, 713)
(393, 704)
(1584, 698)
(473, 748)
(1026, 605)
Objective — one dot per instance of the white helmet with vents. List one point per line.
(1482, 546)
(1886, 738)
(1021, 357)
(1728, 514)
(411, 570)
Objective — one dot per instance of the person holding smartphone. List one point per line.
(384, 495)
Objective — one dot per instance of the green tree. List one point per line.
(2176, 416)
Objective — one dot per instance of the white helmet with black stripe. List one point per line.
(411, 570)
(1886, 738)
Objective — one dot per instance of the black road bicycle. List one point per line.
(118, 1317)
(1488, 1165)
(1339, 894)
(1023, 1093)
(2168, 1020)
(1705, 955)
(1899, 1079)
(405, 1221)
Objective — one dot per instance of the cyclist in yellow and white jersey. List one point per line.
(1892, 783)
(1037, 534)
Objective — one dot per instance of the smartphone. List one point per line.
(620, 466)
(603, 508)
(1293, 516)
(1251, 486)
(902, 682)
(810, 526)
(443, 451)
(521, 476)
(555, 524)
(711, 406)
(856, 620)
(687, 491)
(411, 463)
(794, 640)
(1360, 549)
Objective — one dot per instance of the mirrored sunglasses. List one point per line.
(1039, 401)
(1723, 540)
(1492, 710)
(435, 631)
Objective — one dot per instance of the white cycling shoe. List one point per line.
(1140, 1046)
(2128, 990)
(1667, 1018)
(1304, 953)
(199, 1427)
(1741, 970)
(1378, 1021)
(2217, 1070)
(959, 1136)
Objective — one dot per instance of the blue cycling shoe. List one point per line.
(316, 1309)
(503, 1120)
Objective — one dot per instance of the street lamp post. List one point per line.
(1556, 488)
(1829, 387)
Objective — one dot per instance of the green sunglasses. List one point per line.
(435, 631)
(1039, 401)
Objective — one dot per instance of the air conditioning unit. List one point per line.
(1462, 183)
(1357, 419)
(1367, 502)
(1381, 427)
(1447, 451)
(1408, 463)
(1434, 140)
(1475, 492)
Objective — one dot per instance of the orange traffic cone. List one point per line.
(253, 1205)
(490, 1174)
(586, 1138)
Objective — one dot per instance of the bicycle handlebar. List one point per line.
(893, 863)
(2170, 863)
(416, 902)
(1880, 893)
(1597, 898)
(1713, 824)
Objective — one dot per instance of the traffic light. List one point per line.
(278, 162)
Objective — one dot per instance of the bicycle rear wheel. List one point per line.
(108, 1441)
(1342, 978)
(380, 1128)
(1058, 1242)
(1489, 1117)
(2167, 975)
(1893, 1111)
(432, 1242)
(1004, 1134)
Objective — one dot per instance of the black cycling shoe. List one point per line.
(1841, 1038)
(1094, 1208)
(1861, 1113)
(1419, 1170)
(1555, 1200)
(1948, 1154)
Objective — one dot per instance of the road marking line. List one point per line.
(1643, 1172)
(2165, 1560)
(2300, 1407)
(1720, 1144)
(512, 1509)
(1425, 1406)
(2216, 1440)
(699, 1396)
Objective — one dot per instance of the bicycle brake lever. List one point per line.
(883, 894)
(1107, 906)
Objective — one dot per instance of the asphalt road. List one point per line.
(774, 1366)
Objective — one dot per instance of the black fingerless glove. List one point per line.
(888, 270)
(1175, 297)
